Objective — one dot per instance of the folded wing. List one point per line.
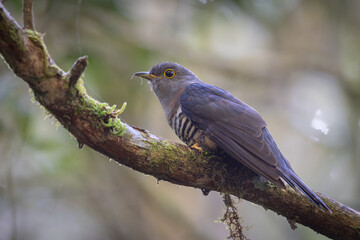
(234, 126)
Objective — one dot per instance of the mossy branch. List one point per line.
(97, 125)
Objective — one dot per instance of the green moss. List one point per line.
(108, 116)
(169, 146)
(50, 70)
(172, 155)
(217, 175)
(86, 105)
(261, 185)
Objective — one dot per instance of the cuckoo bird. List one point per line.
(203, 115)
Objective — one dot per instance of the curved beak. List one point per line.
(146, 75)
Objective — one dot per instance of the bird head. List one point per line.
(168, 75)
(168, 80)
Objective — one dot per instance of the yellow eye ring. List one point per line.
(169, 73)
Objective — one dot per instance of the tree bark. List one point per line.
(98, 126)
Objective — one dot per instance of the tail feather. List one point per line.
(288, 175)
(295, 182)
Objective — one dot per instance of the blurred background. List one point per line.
(295, 61)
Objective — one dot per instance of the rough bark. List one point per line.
(97, 125)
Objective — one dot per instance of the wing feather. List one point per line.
(247, 158)
(234, 126)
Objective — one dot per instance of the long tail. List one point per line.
(295, 182)
(288, 175)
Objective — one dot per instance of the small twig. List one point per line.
(292, 223)
(76, 70)
(28, 14)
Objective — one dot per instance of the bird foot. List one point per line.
(197, 147)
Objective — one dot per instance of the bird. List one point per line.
(206, 116)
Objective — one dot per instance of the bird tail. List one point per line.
(295, 182)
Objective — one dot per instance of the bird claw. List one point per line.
(197, 147)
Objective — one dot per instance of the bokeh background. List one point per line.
(295, 61)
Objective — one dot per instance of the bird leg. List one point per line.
(197, 147)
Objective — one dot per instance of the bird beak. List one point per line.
(146, 75)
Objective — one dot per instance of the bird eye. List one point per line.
(169, 73)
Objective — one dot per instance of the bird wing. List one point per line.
(235, 127)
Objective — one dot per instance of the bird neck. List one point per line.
(170, 103)
(169, 92)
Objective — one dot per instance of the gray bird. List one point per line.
(203, 115)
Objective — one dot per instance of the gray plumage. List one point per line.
(211, 117)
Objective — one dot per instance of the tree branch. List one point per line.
(97, 125)
(28, 14)
(77, 69)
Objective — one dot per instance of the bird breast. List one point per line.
(187, 131)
